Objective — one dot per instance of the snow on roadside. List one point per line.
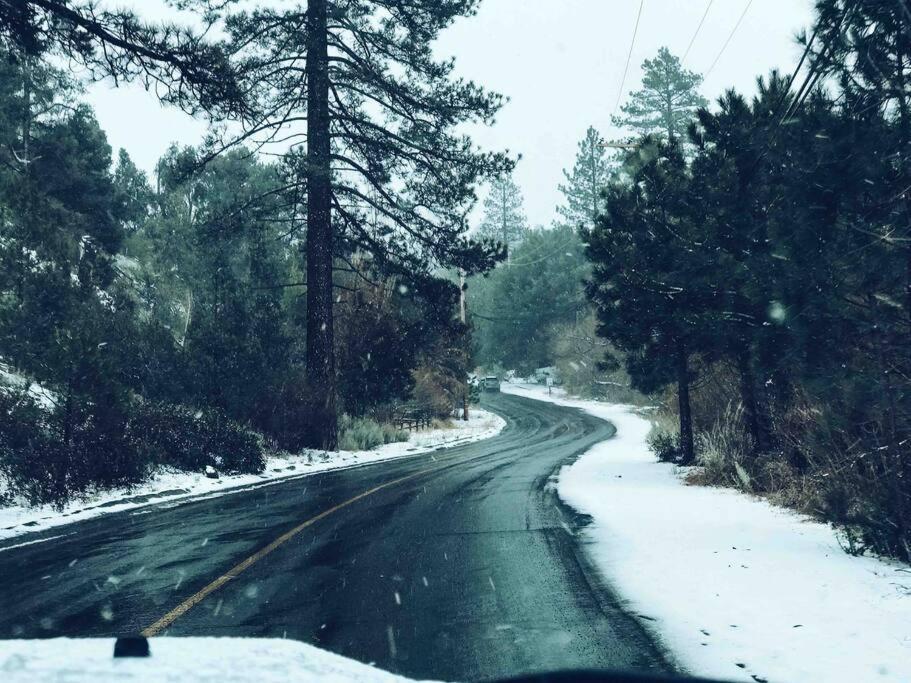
(187, 660)
(171, 485)
(734, 587)
(10, 379)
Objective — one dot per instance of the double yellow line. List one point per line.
(238, 569)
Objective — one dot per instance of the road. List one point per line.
(459, 564)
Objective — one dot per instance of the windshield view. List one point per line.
(455, 340)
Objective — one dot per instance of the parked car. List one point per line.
(491, 383)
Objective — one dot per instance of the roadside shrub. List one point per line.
(362, 434)
(867, 498)
(723, 450)
(665, 446)
(189, 439)
(438, 389)
(31, 465)
(289, 419)
(50, 456)
(664, 437)
(235, 449)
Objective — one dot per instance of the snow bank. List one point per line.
(183, 660)
(734, 587)
(8, 378)
(168, 485)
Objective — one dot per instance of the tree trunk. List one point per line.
(754, 420)
(320, 341)
(683, 402)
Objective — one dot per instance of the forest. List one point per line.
(182, 320)
(744, 264)
(749, 268)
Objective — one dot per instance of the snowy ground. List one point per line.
(733, 587)
(187, 660)
(171, 485)
(8, 378)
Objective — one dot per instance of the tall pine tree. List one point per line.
(586, 183)
(377, 157)
(504, 215)
(650, 282)
(667, 101)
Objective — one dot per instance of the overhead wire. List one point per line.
(797, 69)
(813, 77)
(730, 36)
(629, 56)
(698, 29)
(794, 105)
(538, 258)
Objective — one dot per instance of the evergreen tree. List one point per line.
(515, 311)
(732, 193)
(667, 101)
(62, 319)
(504, 216)
(650, 281)
(866, 46)
(132, 186)
(214, 261)
(384, 169)
(186, 68)
(586, 183)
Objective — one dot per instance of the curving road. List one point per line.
(459, 564)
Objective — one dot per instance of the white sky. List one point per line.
(560, 63)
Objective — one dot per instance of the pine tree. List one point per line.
(649, 282)
(181, 65)
(515, 310)
(867, 47)
(586, 183)
(134, 193)
(667, 101)
(214, 261)
(504, 216)
(383, 169)
(731, 193)
(62, 319)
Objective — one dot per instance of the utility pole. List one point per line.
(463, 317)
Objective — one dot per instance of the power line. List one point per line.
(698, 28)
(731, 35)
(794, 105)
(803, 58)
(547, 255)
(816, 72)
(629, 56)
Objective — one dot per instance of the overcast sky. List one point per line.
(559, 61)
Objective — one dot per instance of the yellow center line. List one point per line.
(235, 571)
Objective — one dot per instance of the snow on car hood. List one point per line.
(180, 660)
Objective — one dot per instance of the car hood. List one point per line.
(180, 660)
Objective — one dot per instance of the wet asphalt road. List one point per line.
(468, 570)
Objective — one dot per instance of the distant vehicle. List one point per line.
(491, 383)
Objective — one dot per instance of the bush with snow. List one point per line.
(363, 434)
